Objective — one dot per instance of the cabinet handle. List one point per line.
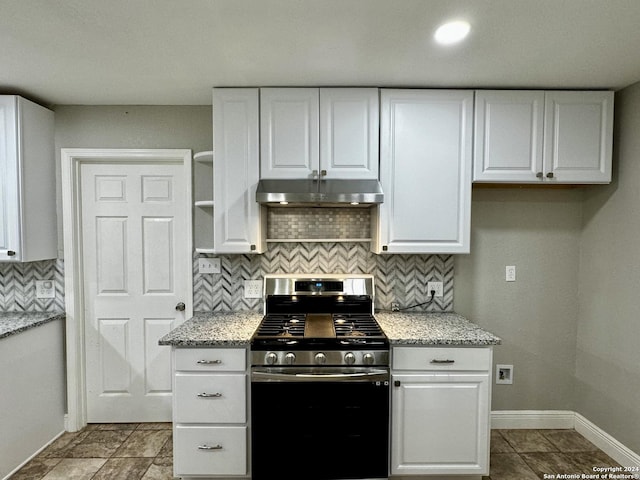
(210, 447)
(550, 175)
(209, 362)
(385, 248)
(11, 253)
(442, 362)
(539, 175)
(314, 174)
(396, 383)
(252, 247)
(323, 173)
(209, 395)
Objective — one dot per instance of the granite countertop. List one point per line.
(12, 323)
(214, 329)
(433, 329)
(236, 328)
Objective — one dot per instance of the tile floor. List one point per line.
(144, 452)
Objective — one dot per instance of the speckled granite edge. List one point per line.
(214, 329)
(236, 328)
(12, 323)
(433, 329)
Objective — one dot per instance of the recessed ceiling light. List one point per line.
(452, 32)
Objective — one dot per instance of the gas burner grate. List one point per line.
(282, 326)
(356, 325)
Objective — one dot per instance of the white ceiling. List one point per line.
(171, 52)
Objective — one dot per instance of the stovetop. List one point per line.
(315, 330)
(319, 314)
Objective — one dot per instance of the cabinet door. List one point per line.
(349, 132)
(9, 199)
(237, 220)
(425, 171)
(578, 136)
(289, 132)
(440, 424)
(508, 136)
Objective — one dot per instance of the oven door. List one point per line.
(319, 424)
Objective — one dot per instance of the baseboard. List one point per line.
(563, 419)
(543, 419)
(13, 472)
(609, 445)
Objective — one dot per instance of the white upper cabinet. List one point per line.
(28, 225)
(311, 132)
(425, 171)
(349, 132)
(508, 135)
(288, 132)
(535, 136)
(238, 226)
(578, 137)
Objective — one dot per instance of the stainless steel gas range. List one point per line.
(320, 380)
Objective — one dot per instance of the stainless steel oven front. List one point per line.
(319, 423)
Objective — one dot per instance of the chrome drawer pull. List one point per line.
(443, 362)
(210, 447)
(209, 395)
(209, 362)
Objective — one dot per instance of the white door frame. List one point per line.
(72, 159)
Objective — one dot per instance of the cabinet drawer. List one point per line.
(210, 450)
(441, 358)
(210, 359)
(212, 398)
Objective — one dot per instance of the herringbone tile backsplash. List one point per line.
(398, 278)
(18, 286)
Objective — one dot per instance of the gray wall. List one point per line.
(608, 336)
(538, 231)
(129, 126)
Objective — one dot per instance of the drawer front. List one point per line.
(219, 398)
(211, 359)
(210, 450)
(441, 358)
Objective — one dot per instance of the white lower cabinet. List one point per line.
(440, 411)
(210, 432)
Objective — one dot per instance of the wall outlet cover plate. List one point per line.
(45, 289)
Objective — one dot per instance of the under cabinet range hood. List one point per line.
(342, 192)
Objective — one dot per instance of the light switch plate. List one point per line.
(208, 265)
(45, 289)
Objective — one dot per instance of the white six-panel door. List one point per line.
(134, 244)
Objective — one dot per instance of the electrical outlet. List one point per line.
(208, 265)
(45, 289)
(437, 286)
(504, 374)
(510, 273)
(253, 289)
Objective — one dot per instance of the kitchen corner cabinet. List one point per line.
(440, 410)
(28, 225)
(425, 171)
(326, 132)
(203, 205)
(238, 220)
(543, 136)
(210, 432)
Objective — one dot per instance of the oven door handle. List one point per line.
(373, 375)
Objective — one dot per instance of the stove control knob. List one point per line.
(368, 358)
(271, 358)
(349, 358)
(290, 358)
(320, 358)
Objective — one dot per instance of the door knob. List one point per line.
(180, 307)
